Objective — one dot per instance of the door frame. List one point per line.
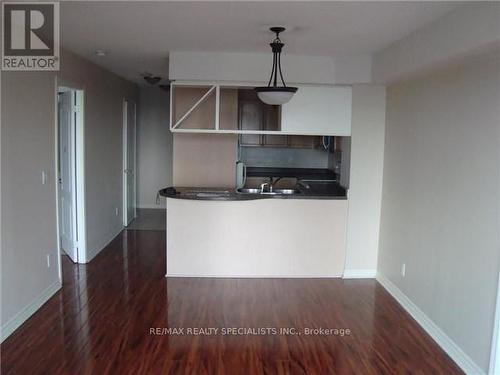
(79, 173)
(495, 340)
(125, 124)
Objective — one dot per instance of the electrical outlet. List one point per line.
(48, 260)
(403, 270)
(116, 211)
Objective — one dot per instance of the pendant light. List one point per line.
(272, 93)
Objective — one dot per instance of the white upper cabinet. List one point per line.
(318, 110)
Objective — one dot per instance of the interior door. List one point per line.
(129, 157)
(66, 178)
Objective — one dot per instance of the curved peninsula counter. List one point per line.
(229, 233)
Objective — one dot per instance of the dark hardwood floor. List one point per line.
(100, 323)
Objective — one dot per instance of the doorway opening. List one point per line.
(70, 175)
(129, 161)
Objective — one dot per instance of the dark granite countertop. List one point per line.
(309, 190)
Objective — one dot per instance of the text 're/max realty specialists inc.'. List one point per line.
(248, 331)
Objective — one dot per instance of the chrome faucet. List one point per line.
(270, 183)
(273, 182)
(263, 185)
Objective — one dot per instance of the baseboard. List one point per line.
(156, 206)
(91, 254)
(17, 320)
(178, 275)
(360, 274)
(441, 338)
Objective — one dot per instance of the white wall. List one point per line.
(103, 97)
(469, 28)
(441, 197)
(154, 146)
(28, 213)
(256, 67)
(365, 180)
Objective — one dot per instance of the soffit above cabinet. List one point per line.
(254, 67)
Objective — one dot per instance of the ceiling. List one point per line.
(139, 35)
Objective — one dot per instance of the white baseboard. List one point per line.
(360, 274)
(441, 338)
(17, 320)
(92, 253)
(156, 206)
(178, 275)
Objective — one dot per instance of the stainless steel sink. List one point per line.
(274, 192)
(248, 191)
(286, 191)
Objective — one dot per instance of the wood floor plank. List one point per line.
(100, 322)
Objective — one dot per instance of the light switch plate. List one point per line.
(44, 178)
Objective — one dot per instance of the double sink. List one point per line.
(257, 191)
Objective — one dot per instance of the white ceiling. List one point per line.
(139, 35)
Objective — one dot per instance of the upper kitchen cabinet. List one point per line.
(193, 107)
(318, 110)
(254, 115)
(236, 109)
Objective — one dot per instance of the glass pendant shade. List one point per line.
(275, 94)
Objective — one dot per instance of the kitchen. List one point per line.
(264, 190)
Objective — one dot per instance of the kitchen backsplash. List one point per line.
(280, 157)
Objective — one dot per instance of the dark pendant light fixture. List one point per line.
(272, 93)
(150, 78)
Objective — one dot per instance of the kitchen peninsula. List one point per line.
(296, 232)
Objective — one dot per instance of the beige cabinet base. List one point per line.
(258, 238)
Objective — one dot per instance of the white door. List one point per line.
(66, 178)
(129, 165)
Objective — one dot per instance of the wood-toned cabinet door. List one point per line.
(250, 118)
(256, 115)
(272, 122)
(302, 141)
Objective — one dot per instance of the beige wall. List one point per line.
(28, 224)
(104, 93)
(365, 179)
(256, 238)
(154, 146)
(441, 196)
(205, 160)
(28, 208)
